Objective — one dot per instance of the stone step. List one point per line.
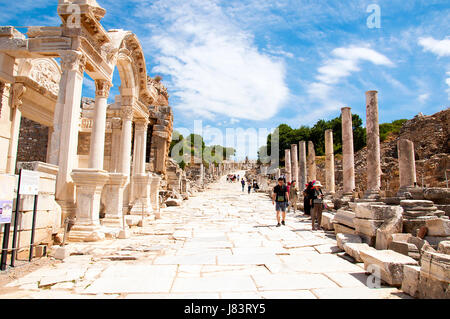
(355, 249)
(410, 203)
(339, 228)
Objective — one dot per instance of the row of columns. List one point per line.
(306, 168)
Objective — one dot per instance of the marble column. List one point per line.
(97, 149)
(125, 138)
(116, 126)
(373, 146)
(329, 162)
(348, 158)
(64, 143)
(141, 180)
(303, 173)
(312, 168)
(155, 182)
(407, 164)
(294, 162)
(18, 89)
(287, 165)
(90, 182)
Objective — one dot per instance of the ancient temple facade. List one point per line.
(106, 158)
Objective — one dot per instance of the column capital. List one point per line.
(127, 113)
(127, 100)
(141, 124)
(102, 88)
(116, 123)
(18, 90)
(72, 61)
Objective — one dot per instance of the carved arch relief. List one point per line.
(45, 72)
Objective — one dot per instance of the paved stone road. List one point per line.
(221, 243)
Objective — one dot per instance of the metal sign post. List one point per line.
(28, 185)
(33, 227)
(6, 207)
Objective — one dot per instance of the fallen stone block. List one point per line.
(61, 253)
(444, 247)
(393, 224)
(367, 226)
(389, 264)
(339, 228)
(411, 203)
(413, 225)
(377, 212)
(132, 220)
(410, 283)
(343, 239)
(434, 241)
(403, 248)
(345, 217)
(438, 227)
(434, 276)
(401, 237)
(440, 195)
(354, 250)
(327, 221)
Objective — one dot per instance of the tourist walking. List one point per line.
(308, 193)
(293, 196)
(249, 186)
(280, 198)
(317, 205)
(243, 184)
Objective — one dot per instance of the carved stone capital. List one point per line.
(127, 113)
(116, 123)
(102, 88)
(73, 61)
(18, 91)
(141, 124)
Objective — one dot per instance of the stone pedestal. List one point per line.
(89, 184)
(348, 160)
(154, 194)
(114, 200)
(373, 146)
(142, 204)
(329, 163)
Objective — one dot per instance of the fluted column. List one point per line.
(18, 89)
(96, 153)
(303, 173)
(373, 146)
(294, 162)
(116, 126)
(140, 146)
(348, 159)
(312, 168)
(329, 162)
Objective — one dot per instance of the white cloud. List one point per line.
(214, 67)
(423, 97)
(438, 47)
(346, 61)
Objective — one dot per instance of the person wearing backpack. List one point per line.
(280, 197)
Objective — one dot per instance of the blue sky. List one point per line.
(257, 64)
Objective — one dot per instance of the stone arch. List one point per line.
(130, 62)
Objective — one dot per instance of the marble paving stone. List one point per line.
(287, 294)
(248, 259)
(134, 279)
(214, 284)
(359, 293)
(186, 260)
(348, 280)
(292, 281)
